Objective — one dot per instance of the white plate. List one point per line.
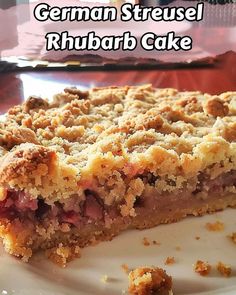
(83, 276)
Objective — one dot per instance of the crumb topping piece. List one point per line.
(149, 280)
(223, 269)
(216, 226)
(202, 268)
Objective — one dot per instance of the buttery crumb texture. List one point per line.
(80, 168)
(149, 280)
(203, 268)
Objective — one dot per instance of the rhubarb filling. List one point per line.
(92, 210)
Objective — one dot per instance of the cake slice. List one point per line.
(83, 167)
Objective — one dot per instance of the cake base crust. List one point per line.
(22, 238)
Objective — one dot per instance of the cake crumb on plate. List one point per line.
(203, 268)
(149, 280)
(146, 242)
(170, 260)
(216, 226)
(233, 237)
(223, 269)
(125, 267)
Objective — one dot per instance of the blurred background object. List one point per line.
(23, 43)
(10, 20)
(26, 68)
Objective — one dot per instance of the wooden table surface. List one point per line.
(15, 87)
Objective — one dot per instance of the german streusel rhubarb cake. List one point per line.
(90, 164)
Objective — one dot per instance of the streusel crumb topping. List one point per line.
(95, 139)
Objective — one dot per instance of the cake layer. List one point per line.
(28, 227)
(22, 237)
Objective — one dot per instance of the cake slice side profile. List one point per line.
(90, 164)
